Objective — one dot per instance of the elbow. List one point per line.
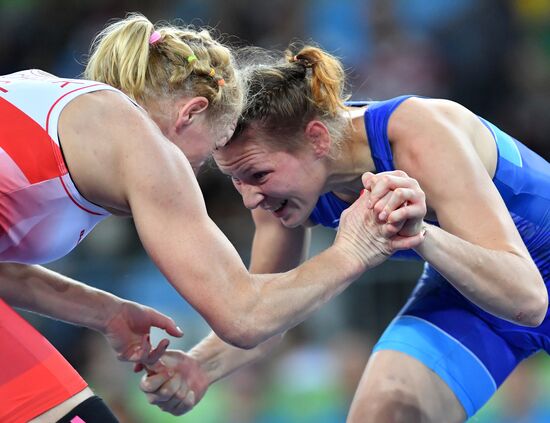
(534, 309)
(241, 333)
(244, 324)
(539, 310)
(244, 341)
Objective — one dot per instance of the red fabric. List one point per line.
(28, 144)
(34, 376)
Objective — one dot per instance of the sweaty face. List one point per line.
(286, 184)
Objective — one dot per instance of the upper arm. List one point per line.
(276, 248)
(434, 143)
(172, 222)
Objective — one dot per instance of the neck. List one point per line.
(162, 112)
(354, 159)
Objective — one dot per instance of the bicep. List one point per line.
(276, 248)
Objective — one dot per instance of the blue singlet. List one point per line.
(471, 350)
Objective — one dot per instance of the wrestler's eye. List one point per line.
(258, 176)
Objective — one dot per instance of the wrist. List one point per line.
(208, 366)
(110, 308)
(360, 257)
(346, 258)
(429, 233)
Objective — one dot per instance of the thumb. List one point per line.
(156, 367)
(162, 321)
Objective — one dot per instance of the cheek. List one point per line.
(298, 182)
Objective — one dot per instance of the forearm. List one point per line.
(219, 359)
(282, 301)
(502, 283)
(37, 289)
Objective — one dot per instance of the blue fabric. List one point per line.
(468, 378)
(471, 350)
(328, 210)
(522, 178)
(376, 121)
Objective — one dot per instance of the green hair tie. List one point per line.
(191, 57)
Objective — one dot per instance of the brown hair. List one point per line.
(283, 96)
(184, 61)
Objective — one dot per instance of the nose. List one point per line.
(252, 196)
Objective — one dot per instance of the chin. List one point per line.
(292, 222)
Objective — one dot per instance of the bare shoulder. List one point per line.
(422, 124)
(417, 115)
(100, 132)
(102, 114)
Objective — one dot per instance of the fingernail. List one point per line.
(382, 215)
(179, 329)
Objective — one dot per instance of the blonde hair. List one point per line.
(182, 62)
(284, 96)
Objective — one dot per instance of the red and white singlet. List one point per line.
(42, 218)
(42, 214)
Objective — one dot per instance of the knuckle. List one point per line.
(400, 192)
(181, 395)
(165, 392)
(378, 207)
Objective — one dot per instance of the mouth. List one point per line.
(278, 209)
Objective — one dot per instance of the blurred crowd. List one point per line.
(493, 56)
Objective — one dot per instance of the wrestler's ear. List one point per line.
(190, 110)
(318, 136)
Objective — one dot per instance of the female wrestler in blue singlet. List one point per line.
(480, 307)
